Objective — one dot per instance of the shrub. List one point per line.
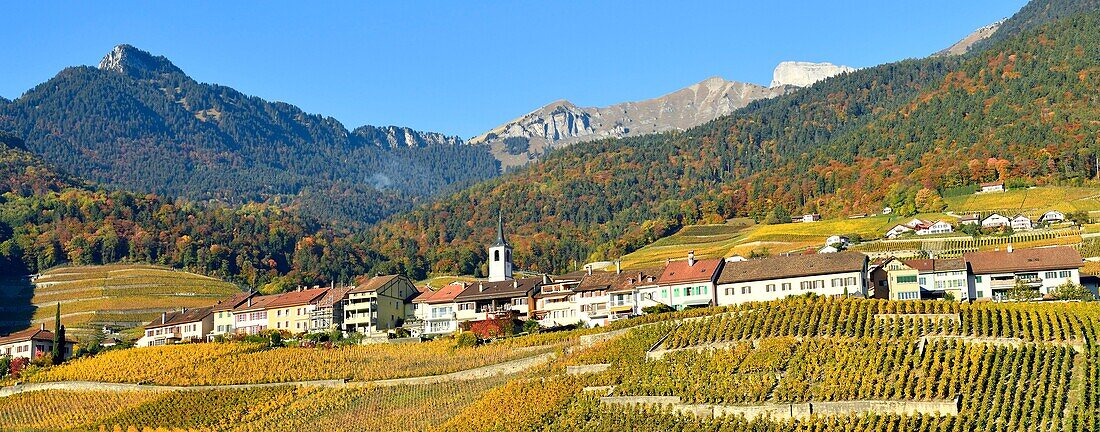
(465, 340)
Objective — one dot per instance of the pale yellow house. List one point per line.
(894, 280)
(378, 305)
(291, 311)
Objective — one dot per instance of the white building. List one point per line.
(996, 220)
(836, 274)
(1021, 223)
(555, 303)
(993, 274)
(920, 227)
(190, 325)
(625, 293)
(251, 316)
(223, 313)
(997, 186)
(687, 283)
(500, 255)
(1053, 216)
(31, 343)
(436, 309)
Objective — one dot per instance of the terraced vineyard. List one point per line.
(800, 364)
(957, 245)
(1032, 201)
(122, 295)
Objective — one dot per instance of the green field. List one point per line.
(121, 295)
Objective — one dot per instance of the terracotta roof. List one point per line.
(446, 294)
(598, 280)
(571, 276)
(631, 279)
(373, 284)
(333, 296)
(680, 272)
(180, 317)
(31, 334)
(233, 301)
(780, 267)
(258, 302)
(499, 290)
(1052, 258)
(297, 298)
(993, 183)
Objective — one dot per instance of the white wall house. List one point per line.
(939, 277)
(437, 309)
(997, 186)
(251, 316)
(555, 304)
(1021, 223)
(996, 220)
(223, 313)
(184, 325)
(688, 283)
(33, 342)
(993, 274)
(939, 227)
(836, 275)
(1053, 216)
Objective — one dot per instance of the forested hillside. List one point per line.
(139, 123)
(1023, 110)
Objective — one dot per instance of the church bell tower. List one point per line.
(500, 255)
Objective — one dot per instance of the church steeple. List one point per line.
(500, 254)
(500, 230)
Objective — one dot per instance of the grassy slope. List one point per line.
(124, 294)
(1032, 201)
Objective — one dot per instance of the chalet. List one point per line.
(996, 220)
(378, 305)
(1021, 223)
(920, 227)
(939, 277)
(812, 217)
(837, 274)
(436, 309)
(290, 311)
(994, 273)
(328, 312)
(971, 219)
(250, 317)
(33, 342)
(688, 283)
(1053, 216)
(894, 280)
(555, 303)
(997, 186)
(187, 325)
(486, 299)
(223, 312)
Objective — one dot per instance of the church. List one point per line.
(500, 255)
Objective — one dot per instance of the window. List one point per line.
(729, 291)
(786, 286)
(1050, 275)
(906, 279)
(819, 284)
(978, 279)
(675, 292)
(851, 281)
(770, 288)
(1064, 273)
(908, 295)
(496, 255)
(519, 301)
(805, 285)
(465, 306)
(923, 281)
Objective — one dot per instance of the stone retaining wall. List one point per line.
(586, 369)
(793, 411)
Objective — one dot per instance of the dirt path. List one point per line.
(509, 367)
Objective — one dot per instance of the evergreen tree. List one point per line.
(58, 352)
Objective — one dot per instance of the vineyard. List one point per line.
(1001, 367)
(957, 245)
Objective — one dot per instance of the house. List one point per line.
(688, 283)
(250, 317)
(436, 309)
(1053, 216)
(894, 280)
(488, 299)
(555, 303)
(291, 311)
(592, 297)
(857, 216)
(187, 325)
(837, 240)
(971, 219)
(994, 274)
(828, 250)
(223, 312)
(920, 227)
(887, 210)
(812, 217)
(1021, 223)
(378, 305)
(837, 275)
(996, 220)
(328, 312)
(997, 186)
(625, 292)
(939, 277)
(33, 342)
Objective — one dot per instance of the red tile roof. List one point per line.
(507, 289)
(297, 298)
(31, 334)
(333, 296)
(181, 317)
(677, 272)
(446, 294)
(936, 265)
(233, 301)
(1037, 259)
(374, 283)
(258, 303)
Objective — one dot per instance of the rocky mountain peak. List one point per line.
(803, 74)
(128, 60)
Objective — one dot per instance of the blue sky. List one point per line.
(463, 67)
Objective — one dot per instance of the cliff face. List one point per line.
(964, 45)
(562, 123)
(802, 74)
